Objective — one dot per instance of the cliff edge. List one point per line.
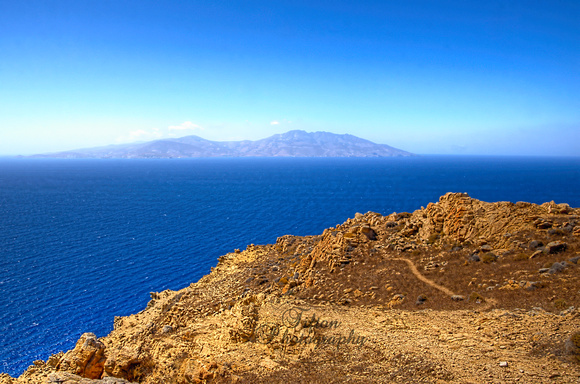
(461, 291)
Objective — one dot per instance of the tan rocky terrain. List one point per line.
(462, 291)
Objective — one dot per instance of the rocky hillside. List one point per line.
(461, 291)
(290, 144)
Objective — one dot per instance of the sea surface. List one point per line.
(83, 241)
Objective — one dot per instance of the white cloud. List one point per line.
(141, 135)
(138, 133)
(158, 133)
(184, 126)
(274, 122)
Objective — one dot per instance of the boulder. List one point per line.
(557, 267)
(87, 359)
(555, 247)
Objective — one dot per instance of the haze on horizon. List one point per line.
(428, 77)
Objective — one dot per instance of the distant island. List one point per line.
(290, 144)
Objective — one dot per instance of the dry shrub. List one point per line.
(521, 257)
(475, 297)
(560, 304)
(488, 258)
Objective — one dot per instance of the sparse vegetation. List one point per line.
(560, 304)
(488, 258)
(475, 297)
(557, 232)
(521, 257)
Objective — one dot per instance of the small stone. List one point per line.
(535, 244)
(503, 364)
(486, 248)
(348, 290)
(421, 300)
(533, 285)
(574, 260)
(536, 254)
(167, 329)
(474, 257)
(457, 298)
(543, 270)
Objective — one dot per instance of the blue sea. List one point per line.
(82, 241)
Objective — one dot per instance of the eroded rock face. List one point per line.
(122, 363)
(87, 359)
(246, 315)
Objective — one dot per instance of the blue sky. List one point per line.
(433, 77)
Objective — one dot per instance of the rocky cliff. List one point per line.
(462, 291)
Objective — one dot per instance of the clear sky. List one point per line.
(433, 77)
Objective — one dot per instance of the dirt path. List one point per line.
(490, 302)
(419, 276)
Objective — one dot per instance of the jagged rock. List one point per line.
(535, 244)
(87, 359)
(574, 260)
(558, 208)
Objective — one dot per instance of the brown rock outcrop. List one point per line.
(87, 359)
(497, 282)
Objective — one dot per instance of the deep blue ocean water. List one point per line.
(82, 241)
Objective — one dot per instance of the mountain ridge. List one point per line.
(296, 143)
